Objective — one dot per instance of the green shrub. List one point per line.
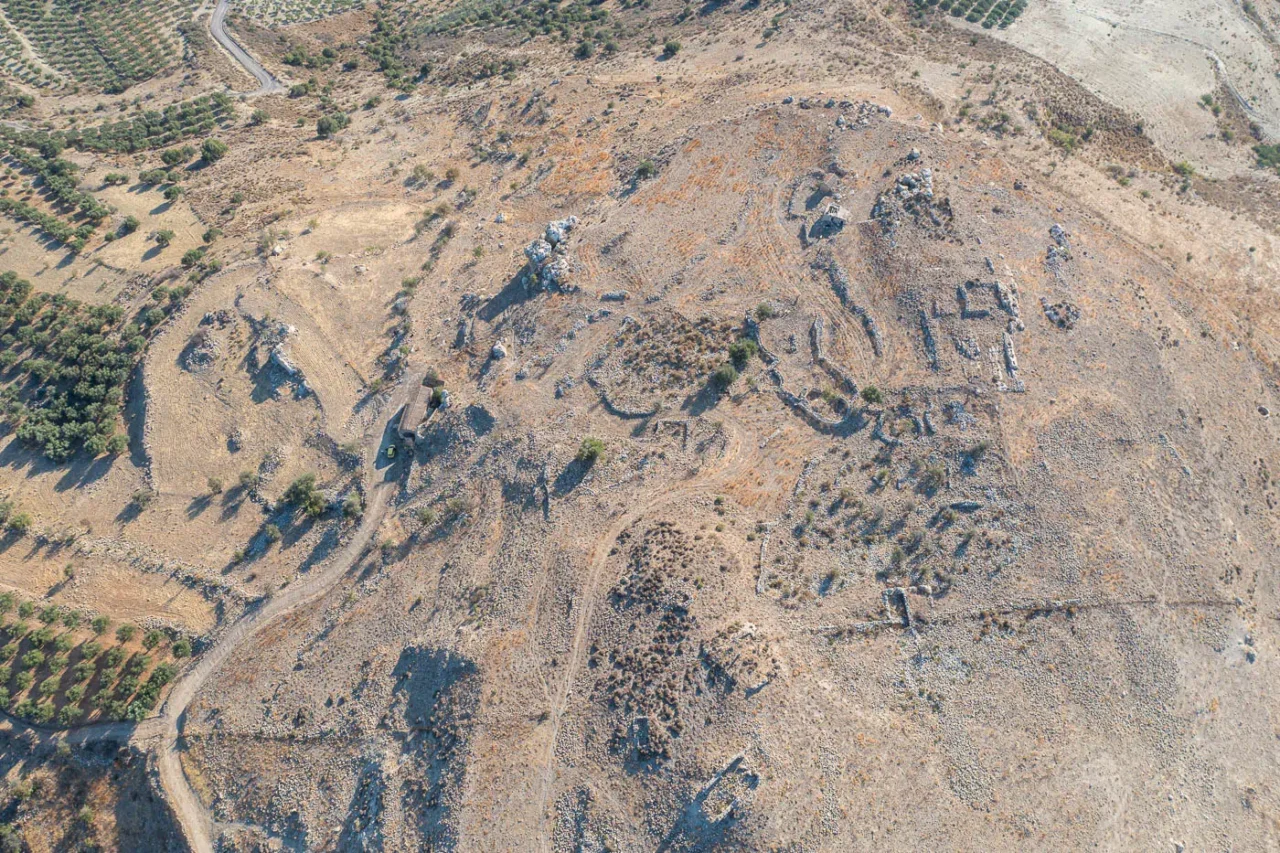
(590, 450)
(177, 156)
(303, 494)
(330, 124)
(872, 395)
(1268, 156)
(213, 150)
(725, 376)
(741, 351)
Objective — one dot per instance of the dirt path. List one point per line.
(192, 816)
(731, 463)
(1269, 131)
(267, 83)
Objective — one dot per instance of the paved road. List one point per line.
(267, 84)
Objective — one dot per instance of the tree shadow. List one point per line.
(573, 474)
(233, 501)
(85, 471)
(198, 505)
(480, 420)
(130, 513)
(294, 528)
(328, 542)
(703, 400)
(513, 293)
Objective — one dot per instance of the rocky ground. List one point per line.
(853, 438)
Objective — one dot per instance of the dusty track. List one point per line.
(731, 463)
(267, 83)
(190, 813)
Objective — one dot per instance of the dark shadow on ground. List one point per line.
(198, 505)
(703, 400)
(512, 293)
(436, 697)
(570, 477)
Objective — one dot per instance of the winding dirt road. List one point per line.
(267, 83)
(190, 813)
(731, 464)
(187, 808)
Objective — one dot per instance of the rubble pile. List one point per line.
(549, 263)
(1058, 253)
(912, 195)
(1061, 314)
(204, 348)
(272, 338)
(861, 114)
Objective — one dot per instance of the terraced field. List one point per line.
(990, 13)
(294, 11)
(17, 63)
(149, 129)
(106, 44)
